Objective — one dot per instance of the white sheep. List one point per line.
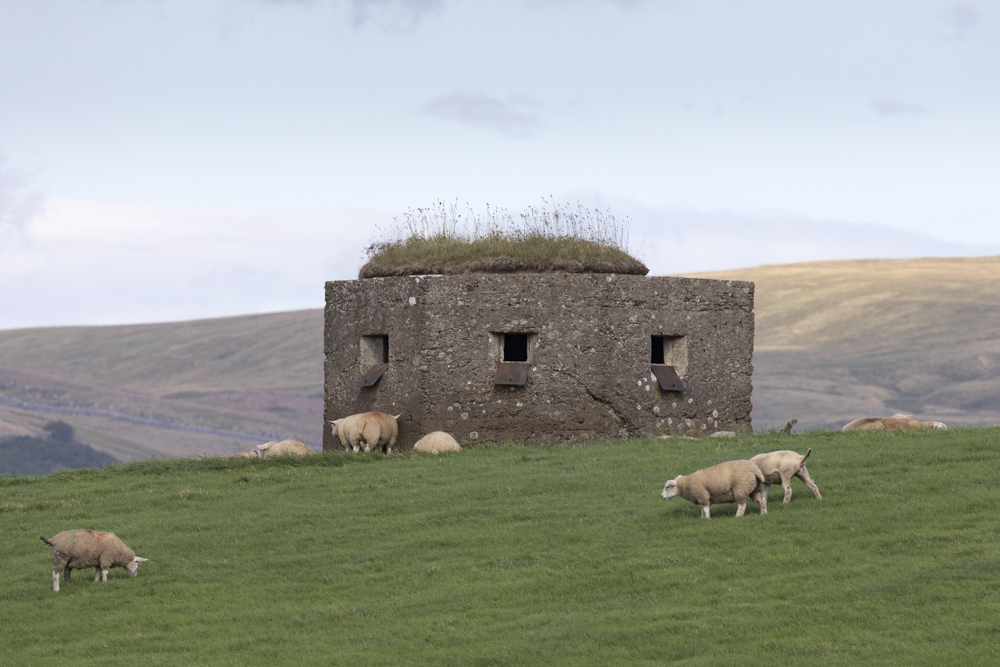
(894, 423)
(284, 448)
(80, 549)
(780, 467)
(437, 442)
(368, 431)
(729, 482)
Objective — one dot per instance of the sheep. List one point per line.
(252, 454)
(79, 549)
(780, 467)
(894, 423)
(367, 430)
(729, 482)
(436, 443)
(283, 448)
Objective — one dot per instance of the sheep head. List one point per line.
(133, 567)
(670, 489)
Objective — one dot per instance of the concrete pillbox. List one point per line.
(540, 357)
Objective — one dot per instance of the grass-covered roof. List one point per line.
(441, 240)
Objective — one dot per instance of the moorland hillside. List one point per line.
(211, 386)
(834, 341)
(869, 338)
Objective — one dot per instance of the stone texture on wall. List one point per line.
(590, 348)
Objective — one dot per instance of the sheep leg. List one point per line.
(55, 580)
(767, 490)
(97, 573)
(786, 485)
(68, 575)
(741, 507)
(760, 499)
(803, 474)
(104, 574)
(705, 512)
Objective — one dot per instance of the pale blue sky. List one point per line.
(731, 132)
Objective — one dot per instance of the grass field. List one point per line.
(518, 555)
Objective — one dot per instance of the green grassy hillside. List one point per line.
(519, 555)
(870, 338)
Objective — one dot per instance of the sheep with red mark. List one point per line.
(80, 549)
(367, 431)
(894, 423)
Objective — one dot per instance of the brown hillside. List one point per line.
(128, 389)
(834, 341)
(846, 339)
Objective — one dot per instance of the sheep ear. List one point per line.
(398, 416)
(140, 560)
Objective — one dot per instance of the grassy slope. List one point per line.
(520, 555)
(869, 338)
(256, 374)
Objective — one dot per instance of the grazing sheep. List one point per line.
(79, 549)
(729, 482)
(368, 431)
(894, 423)
(436, 443)
(284, 448)
(780, 467)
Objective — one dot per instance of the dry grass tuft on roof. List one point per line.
(441, 240)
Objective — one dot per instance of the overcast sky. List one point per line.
(175, 159)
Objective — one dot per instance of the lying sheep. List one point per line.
(252, 454)
(368, 431)
(284, 448)
(729, 482)
(780, 467)
(437, 442)
(79, 549)
(894, 423)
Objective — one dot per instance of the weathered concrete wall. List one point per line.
(590, 355)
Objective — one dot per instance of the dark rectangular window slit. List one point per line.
(657, 353)
(515, 347)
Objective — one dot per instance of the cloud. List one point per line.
(961, 17)
(93, 262)
(675, 241)
(514, 117)
(19, 202)
(392, 13)
(886, 107)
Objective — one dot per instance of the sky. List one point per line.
(178, 159)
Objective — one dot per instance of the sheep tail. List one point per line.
(808, 451)
(44, 539)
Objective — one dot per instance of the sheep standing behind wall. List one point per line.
(729, 482)
(80, 549)
(437, 442)
(780, 467)
(368, 431)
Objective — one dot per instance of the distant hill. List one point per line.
(834, 341)
(22, 455)
(868, 338)
(211, 386)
